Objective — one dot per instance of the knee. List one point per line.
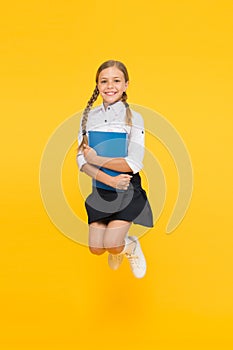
(115, 250)
(97, 251)
(113, 246)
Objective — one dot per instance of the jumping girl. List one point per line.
(117, 199)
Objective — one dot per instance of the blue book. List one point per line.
(108, 144)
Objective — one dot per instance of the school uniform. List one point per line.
(112, 204)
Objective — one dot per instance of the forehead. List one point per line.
(111, 72)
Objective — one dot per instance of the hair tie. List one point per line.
(126, 105)
(84, 132)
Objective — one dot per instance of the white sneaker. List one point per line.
(137, 260)
(115, 260)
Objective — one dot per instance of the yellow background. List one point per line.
(54, 293)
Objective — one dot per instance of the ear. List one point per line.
(126, 85)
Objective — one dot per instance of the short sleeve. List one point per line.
(136, 144)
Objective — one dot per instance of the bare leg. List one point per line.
(96, 237)
(114, 236)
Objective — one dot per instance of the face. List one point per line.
(111, 85)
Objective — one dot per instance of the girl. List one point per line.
(117, 198)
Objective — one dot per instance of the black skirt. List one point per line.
(129, 205)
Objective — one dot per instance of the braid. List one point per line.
(128, 117)
(85, 116)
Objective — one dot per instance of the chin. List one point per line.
(115, 99)
(111, 101)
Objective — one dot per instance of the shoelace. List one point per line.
(116, 257)
(133, 259)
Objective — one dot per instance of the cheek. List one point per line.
(100, 87)
(101, 91)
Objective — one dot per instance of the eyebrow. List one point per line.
(107, 77)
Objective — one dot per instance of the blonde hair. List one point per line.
(95, 94)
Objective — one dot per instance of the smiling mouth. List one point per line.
(110, 93)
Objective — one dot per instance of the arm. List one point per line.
(136, 144)
(118, 164)
(120, 182)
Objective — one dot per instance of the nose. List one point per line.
(109, 84)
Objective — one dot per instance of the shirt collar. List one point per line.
(116, 107)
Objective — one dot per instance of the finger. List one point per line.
(126, 176)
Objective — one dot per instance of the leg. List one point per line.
(118, 245)
(96, 237)
(114, 236)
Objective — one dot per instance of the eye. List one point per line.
(117, 80)
(103, 81)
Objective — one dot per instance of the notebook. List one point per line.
(108, 144)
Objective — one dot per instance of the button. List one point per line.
(105, 120)
(109, 108)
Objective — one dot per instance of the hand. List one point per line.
(121, 182)
(89, 154)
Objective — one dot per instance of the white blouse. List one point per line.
(113, 119)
